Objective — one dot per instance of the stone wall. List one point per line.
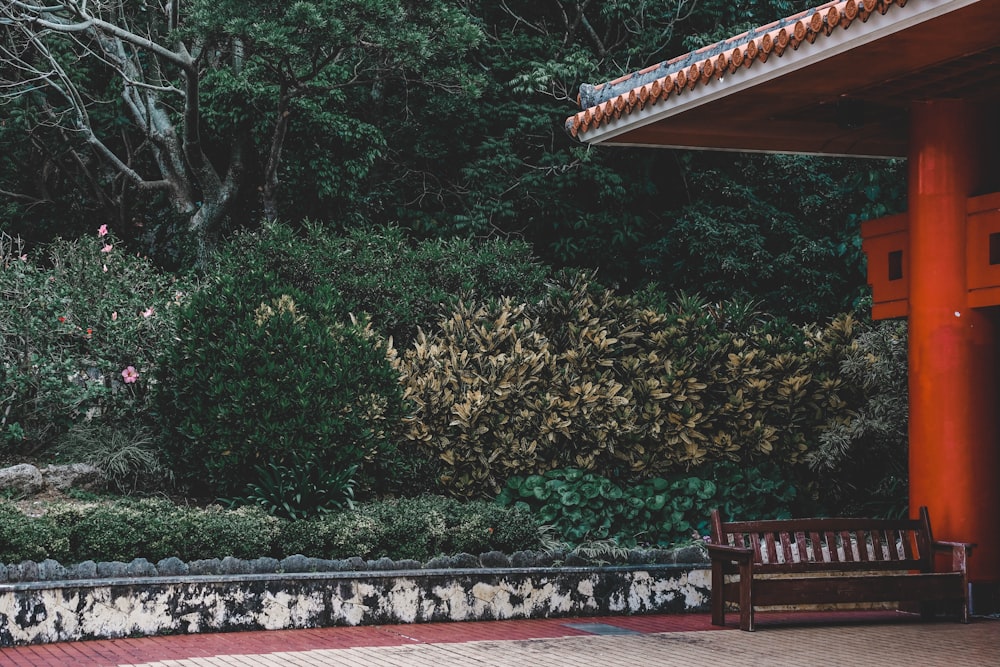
(40, 612)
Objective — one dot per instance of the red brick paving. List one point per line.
(105, 653)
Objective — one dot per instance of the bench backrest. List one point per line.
(804, 545)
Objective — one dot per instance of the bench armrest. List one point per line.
(960, 552)
(727, 553)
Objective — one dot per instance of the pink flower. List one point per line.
(105, 268)
(114, 316)
(130, 375)
(24, 258)
(107, 248)
(149, 312)
(102, 230)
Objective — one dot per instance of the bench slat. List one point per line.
(800, 541)
(822, 525)
(817, 547)
(863, 536)
(877, 546)
(772, 549)
(840, 566)
(786, 548)
(907, 539)
(848, 541)
(831, 545)
(878, 588)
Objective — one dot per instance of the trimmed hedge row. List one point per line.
(154, 529)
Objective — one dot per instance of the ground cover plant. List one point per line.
(583, 507)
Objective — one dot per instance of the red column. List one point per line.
(954, 444)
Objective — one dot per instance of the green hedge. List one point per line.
(418, 528)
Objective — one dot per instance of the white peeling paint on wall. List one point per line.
(32, 613)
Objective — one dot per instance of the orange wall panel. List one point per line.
(885, 242)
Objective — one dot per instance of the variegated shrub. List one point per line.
(589, 380)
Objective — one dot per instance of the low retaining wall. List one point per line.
(40, 612)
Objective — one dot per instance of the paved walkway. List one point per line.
(844, 638)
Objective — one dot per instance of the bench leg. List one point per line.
(718, 597)
(746, 601)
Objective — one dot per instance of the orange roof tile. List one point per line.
(633, 109)
(705, 67)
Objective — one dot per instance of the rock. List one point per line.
(73, 476)
(85, 570)
(140, 567)
(691, 555)
(381, 565)
(51, 570)
(112, 570)
(355, 564)
(231, 565)
(296, 563)
(171, 567)
(439, 563)
(25, 571)
(264, 565)
(21, 480)
(206, 566)
(408, 564)
(494, 559)
(524, 559)
(465, 561)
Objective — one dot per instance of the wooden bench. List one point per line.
(823, 561)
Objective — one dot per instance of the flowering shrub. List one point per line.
(81, 326)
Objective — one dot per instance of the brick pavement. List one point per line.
(846, 639)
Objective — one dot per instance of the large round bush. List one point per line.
(262, 374)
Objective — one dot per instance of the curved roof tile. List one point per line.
(603, 102)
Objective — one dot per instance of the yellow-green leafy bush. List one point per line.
(589, 380)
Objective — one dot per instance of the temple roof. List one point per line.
(837, 79)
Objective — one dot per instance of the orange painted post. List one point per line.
(954, 434)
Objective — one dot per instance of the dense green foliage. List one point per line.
(172, 118)
(583, 507)
(418, 528)
(860, 462)
(263, 373)
(446, 118)
(398, 282)
(596, 381)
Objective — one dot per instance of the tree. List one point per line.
(195, 102)
(684, 220)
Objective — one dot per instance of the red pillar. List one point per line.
(954, 444)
